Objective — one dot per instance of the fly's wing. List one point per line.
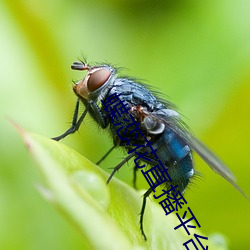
(174, 123)
(212, 160)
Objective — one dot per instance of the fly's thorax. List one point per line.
(94, 85)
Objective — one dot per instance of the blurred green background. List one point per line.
(197, 53)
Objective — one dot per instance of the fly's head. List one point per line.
(97, 77)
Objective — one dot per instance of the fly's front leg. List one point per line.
(97, 114)
(75, 124)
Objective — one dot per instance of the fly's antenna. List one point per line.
(80, 66)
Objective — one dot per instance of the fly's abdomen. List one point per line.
(176, 155)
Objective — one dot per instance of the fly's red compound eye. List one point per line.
(97, 79)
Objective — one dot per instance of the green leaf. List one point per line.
(106, 215)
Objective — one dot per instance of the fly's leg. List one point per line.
(145, 196)
(97, 114)
(75, 124)
(116, 168)
(135, 169)
(105, 155)
(91, 107)
(144, 200)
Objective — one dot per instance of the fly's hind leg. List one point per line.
(144, 201)
(135, 170)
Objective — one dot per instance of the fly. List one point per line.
(158, 120)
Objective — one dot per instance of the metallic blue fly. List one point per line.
(157, 119)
